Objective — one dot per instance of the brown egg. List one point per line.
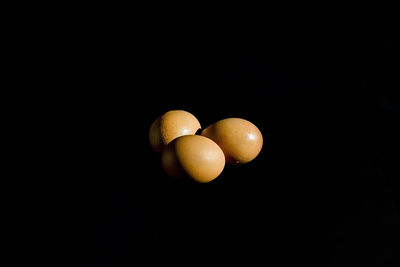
(194, 156)
(171, 125)
(240, 140)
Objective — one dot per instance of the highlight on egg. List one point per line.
(240, 140)
(193, 156)
(170, 125)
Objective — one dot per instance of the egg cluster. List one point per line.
(186, 150)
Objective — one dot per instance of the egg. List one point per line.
(240, 140)
(172, 124)
(193, 156)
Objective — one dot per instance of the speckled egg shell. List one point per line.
(172, 124)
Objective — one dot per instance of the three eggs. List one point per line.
(202, 157)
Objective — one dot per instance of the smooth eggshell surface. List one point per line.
(173, 124)
(240, 140)
(196, 156)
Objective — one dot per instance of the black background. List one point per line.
(318, 81)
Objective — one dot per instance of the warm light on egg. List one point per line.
(172, 124)
(194, 156)
(202, 157)
(251, 136)
(240, 140)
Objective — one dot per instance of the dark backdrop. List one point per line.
(317, 80)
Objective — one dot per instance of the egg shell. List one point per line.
(240, 140)
(194, 156)
(172, 124)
